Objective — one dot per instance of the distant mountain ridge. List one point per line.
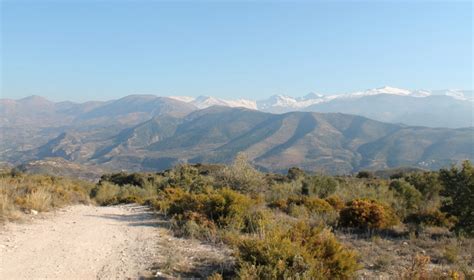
(328, 142)
(399, 106)
(30, 122)
(147, 132)
(434, 108)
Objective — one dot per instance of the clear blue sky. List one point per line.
(82, 50)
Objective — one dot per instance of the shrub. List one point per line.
(257, 221)
(281, 191)
(194, 225)
(418, 270)
(123, 179)
(242, 176)
(336, 202)
(365, 174)
(319, 185)
(383, 261)
(7, 206)
(298, 211)
(106, 193)
(295, 173)
(410, 197)
(317, 205)
(459, 189)
(39, 200)
(225, 207)
(25, 192)
(311, 204)
(186, 177)
(378, 190)
(430, 218)
(427, 183)
(367, 214)
(302, 252)
(451, 253)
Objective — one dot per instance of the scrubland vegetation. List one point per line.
(311, 226)
(416, 225)
(20, 193)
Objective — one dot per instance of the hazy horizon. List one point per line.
(230, 98)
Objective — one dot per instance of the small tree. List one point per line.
(295, 173)
(365, 174)
(459, 189)
(242, 176)
(410, 197)
(427, 183)
(319, 185)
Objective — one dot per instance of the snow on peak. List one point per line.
(377, 91)
(391, 90)
(312, 95)
(186, 99)
(456, 94)
(284, 103)
(207, 101)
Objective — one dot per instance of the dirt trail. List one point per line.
(89, 242)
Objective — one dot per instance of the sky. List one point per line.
(99, 50)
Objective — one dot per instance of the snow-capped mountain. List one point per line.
(202, 102)
(446, 108)
(384, 90)
(283, 103)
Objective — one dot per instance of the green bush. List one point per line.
(430, 218)
(376, 189)
(365, 174)
(459, 189)
(427, 183)
(367, 214)
(410, 198)
(242, 176)
(194, 225)
(311, 204)
(281, 191)
(106, 193)
(225, 207)
(122, 179)
(319, 185)
(295, 173)
(257, 221)
(186, 177)
(302, 252)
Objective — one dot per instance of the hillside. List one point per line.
(329, 142)
(31, 122)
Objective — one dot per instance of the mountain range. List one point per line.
(334, 134)
(434, 108)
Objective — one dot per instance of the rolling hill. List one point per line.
(31, 122)
(329, 142)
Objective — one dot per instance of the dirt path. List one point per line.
(89, 242)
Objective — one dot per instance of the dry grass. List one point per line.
(23, 193)
(7, 208)
(424, 257)
(39, 200)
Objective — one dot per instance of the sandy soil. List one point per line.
(90, 242)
